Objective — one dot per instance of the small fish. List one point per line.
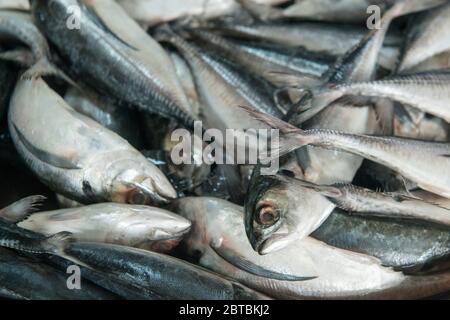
(76, 156)
(150, 13)
(159, 274)
(426, 91)
(139, 72)
(131, 225)
(221, 87)
(345, 11)
(405, 245)
(391, 205)
(426, 163)
(325, 38)
(218, 232)
(103, 111)
(277, 66)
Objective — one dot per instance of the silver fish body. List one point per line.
(426, 91)
(129, 225)
(426, 163)
(75, 155)
(330, 39)
(217, 228)
(274, 65)
(25, 278)
(220, 87)
(139, 73)
(160, 274)
(390, 205)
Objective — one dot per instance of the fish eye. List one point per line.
(136, 196)
(267, 215)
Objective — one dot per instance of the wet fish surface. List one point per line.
(71, 163)
(143, 74)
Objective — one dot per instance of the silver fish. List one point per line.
(163, 275)
(221, 88)
(217, 232)
(426, 163)
(331, 39)
(75, 155)
(139, 73)
(427, 91)
(130, 225)
(367, 202)
(278, 67)
(320, 165)
(38, 281)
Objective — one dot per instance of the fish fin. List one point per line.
(45, 156)
(22, 57)
(93, 14)
(291, 139)
(56, 245)
(45, 68)
(248, 266)
(21, 209)
(271, 121)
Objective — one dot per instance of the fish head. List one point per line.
(136, 186)
(266, 213)
(150, 227)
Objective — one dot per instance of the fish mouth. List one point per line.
(156, 194)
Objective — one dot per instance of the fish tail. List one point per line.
(56, 244)
(45, 68)
(291, 137)
(21, 209)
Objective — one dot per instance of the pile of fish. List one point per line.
(91, 91)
